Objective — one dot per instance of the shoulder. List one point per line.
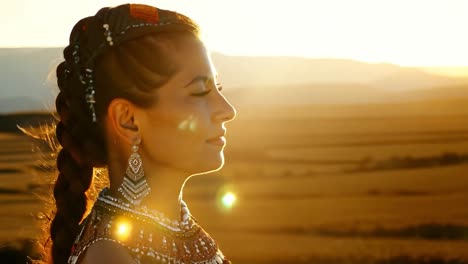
(104, 251)
(95, 244)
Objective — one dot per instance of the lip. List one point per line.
(220, 141)
(221, 134)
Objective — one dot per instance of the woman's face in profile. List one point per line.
(189, 110)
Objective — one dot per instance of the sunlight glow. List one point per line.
(408, 33)
(189, 124)
(401, 32)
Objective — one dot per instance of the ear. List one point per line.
(122, 119)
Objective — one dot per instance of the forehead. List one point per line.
(192, 57)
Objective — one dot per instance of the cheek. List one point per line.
(188, 119)
(176, 135)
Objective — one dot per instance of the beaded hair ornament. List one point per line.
(110, 27)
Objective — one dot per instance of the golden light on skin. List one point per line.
(122, 230)
(228, 199)
(188, 124)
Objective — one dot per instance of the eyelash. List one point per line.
(220, 88)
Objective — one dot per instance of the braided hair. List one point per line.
(121, 69)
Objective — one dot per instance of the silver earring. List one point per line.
(134, 186)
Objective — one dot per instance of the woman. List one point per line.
(138, 96)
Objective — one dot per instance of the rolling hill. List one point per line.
(28, 82)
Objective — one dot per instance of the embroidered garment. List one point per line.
(149, 237)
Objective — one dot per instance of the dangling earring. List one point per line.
(134, 186)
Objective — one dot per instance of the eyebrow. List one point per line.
(203, 78)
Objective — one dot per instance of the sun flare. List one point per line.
(407, 33)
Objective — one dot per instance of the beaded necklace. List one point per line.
(149, 235)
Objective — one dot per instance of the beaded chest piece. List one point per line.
(149, 236)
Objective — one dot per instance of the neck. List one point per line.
(166, 190)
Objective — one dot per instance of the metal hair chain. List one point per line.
(90, 92)
(87, 79)
(87, 76)
(108, 34)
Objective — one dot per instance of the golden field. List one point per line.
(384, 183)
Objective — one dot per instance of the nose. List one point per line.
(225, 111)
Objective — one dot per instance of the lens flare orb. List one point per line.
(228, 199)
(122, 230)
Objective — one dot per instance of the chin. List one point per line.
(208, 168)
(216, 167)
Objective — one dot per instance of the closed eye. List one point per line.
(202, 94)
(220, 88)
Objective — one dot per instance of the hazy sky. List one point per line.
(404, 32)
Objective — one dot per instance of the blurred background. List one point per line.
(350, 143)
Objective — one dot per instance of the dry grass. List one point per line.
(293, 181)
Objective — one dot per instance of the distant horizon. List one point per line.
(28, 80)
(454, 71)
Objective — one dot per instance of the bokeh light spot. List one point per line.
(123, 229)
(228, 199)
